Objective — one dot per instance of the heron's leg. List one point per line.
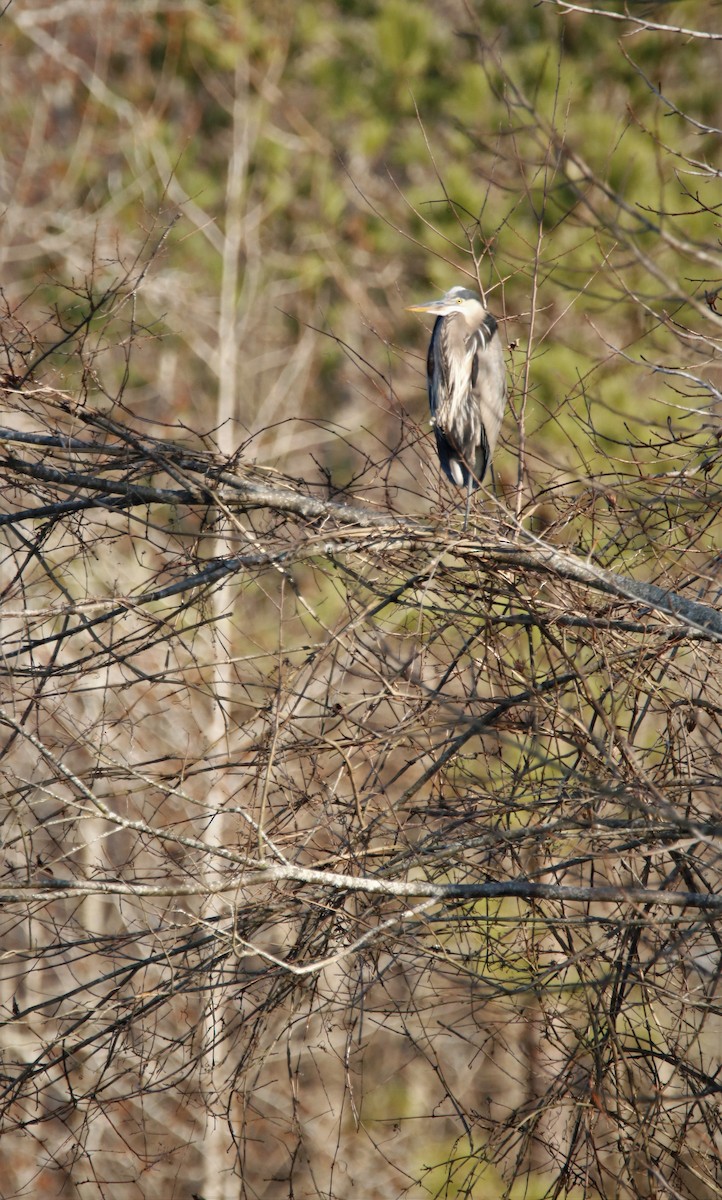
(469, 486)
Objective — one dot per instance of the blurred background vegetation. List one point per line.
(332, 162)
(213, 217)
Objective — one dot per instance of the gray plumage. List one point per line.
(467, 386)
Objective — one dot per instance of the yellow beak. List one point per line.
(429, 306)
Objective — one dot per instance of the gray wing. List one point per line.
(488, 388)
(437, 381)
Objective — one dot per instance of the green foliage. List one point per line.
(402, 92)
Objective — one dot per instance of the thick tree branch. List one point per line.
(521, 889)
(337, 528)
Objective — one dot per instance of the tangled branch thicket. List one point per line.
(344, 852)
(456, 821)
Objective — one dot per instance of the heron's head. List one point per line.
(457, 300)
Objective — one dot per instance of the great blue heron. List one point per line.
(467, 386)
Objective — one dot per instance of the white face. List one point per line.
(455, 300)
